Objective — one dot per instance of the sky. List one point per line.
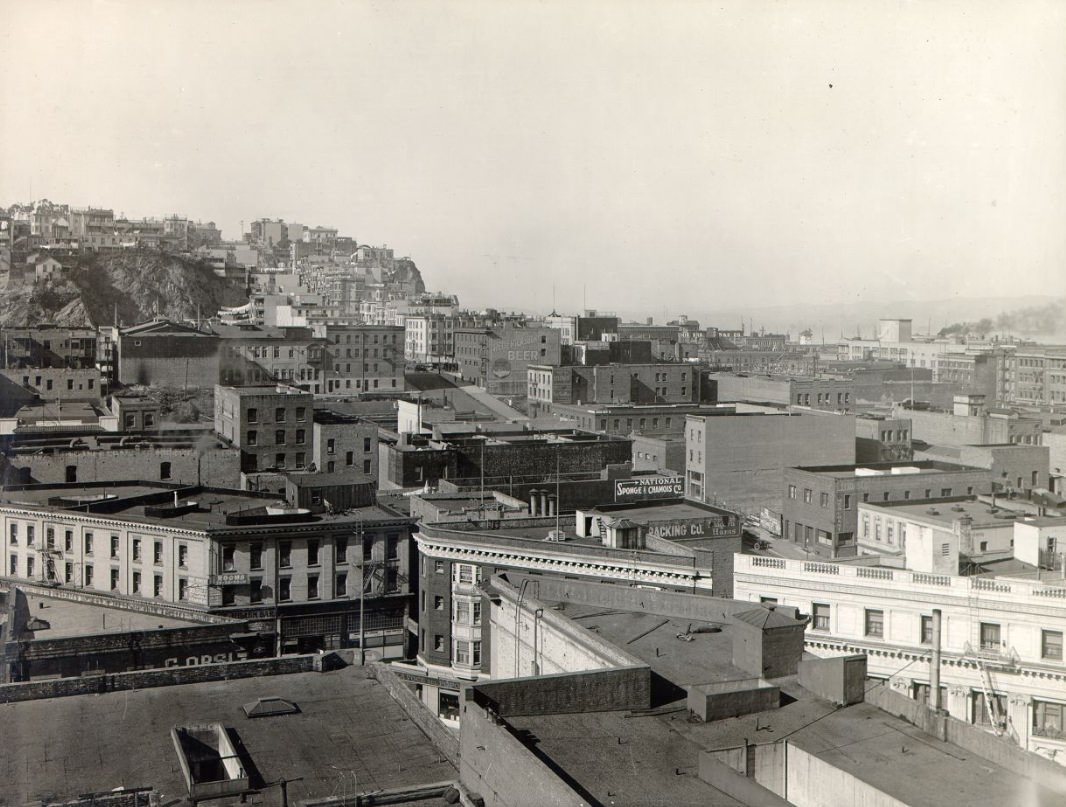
(649, 158)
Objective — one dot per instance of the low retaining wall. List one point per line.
(146, 679)
(446, 741)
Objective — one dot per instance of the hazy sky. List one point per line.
(666, 156)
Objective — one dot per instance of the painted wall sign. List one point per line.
(651, 487)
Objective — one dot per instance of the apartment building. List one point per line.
(363, 358)
(295, 575)
(739, 459)
(1002, 665)
(821, 502)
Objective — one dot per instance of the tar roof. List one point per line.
(349, 734)
(651, 759)
(213, 505)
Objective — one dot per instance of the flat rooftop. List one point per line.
(214, 504)
(651, 759)
(948, 511)
(707, 658)
(661, 512)
(67, 618)
(923, 467)
(349, 733)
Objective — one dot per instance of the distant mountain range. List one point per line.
(1040, 317)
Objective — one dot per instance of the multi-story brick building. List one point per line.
(363, 358)
(498, 357)
(740, 459)
(624, 419)
(231, 552)
(882, 439)
(272, 426)
(820, 503)
(256, 355)
(829, 394)
(48, 346)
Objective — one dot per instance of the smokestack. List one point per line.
(934, 670)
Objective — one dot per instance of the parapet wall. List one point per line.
(145, 679)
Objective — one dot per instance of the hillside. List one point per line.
(135, 285)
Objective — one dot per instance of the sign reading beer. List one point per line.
(648, 487)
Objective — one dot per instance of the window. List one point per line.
(50, 537)
(341, 585)
(1048, 719)
(285, 554)
(820, 616)
(157, 553)
(88, 543)
(136, 581)
(927, 630)
(14, 534)
(990, 637)
(823, 499)
(438, 602)
(68, 572)
(312, 552)
(183, 555)
(438, 642)
(29, 566)
(847, 501)
(253, 415)
(438, 566)
(284, 589)
(300, 437)
(792, 491)
(312, 586)
(228, 564)
(13, 565)
(279, 415)
(331, 446)
(392, 544)
(349, 458)
(340, 550)
(807, 495)
(874, 623)
(279, 437)
(136, 548)
(981, 709)
(366, 445)
(945, 492)
(279, 460)
(1051, 645)
(88, 574)
(114, 546)
(253, 437)
(255, 557)
(164, 470)
(367, 466)
(157, 585)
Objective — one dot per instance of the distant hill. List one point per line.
(134, 284)
(1040, 317)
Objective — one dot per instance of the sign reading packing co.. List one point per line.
(651, 487)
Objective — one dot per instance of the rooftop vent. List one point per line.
(556, 536)
(933, 511)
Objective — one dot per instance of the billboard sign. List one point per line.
(649, 487)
